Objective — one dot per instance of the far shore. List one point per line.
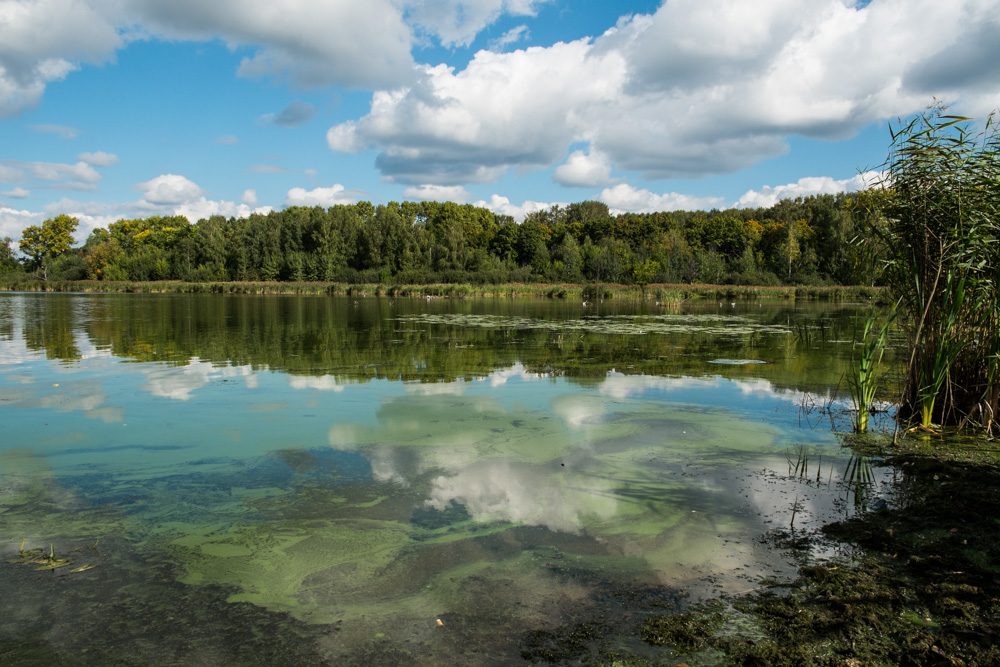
(657, 293)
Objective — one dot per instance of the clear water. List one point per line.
(309, 480)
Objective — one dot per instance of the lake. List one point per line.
(232, 480)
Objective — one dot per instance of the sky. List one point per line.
(115, 109)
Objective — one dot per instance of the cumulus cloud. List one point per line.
(805, 187)
(449, 129)
(325, 197)
(625, 198)
(13, 221)
(455, 193)
(296, 113)
(168, 189)
(583, 169)
(249, 197)
(307, 43)
(502, 206)
(697, 88)
(172, 194)
(16, 193)
(98, 159)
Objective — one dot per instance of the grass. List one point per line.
(659, 294)
(866, 366)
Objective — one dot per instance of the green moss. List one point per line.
(689, 631)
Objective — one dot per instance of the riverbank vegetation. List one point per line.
(802, 242)
(660, 294)
(934, 227)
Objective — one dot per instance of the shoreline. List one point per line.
(658, 293)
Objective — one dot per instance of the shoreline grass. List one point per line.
(658, 293)
(662, 293)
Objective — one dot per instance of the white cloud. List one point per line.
(503, 206)
(10, 173)
(20, 93)
(13, 221)
(457, 22)
(344, 138)
(450, 129)
(171, 194)
(455, 193)
(168, 189)
(512, 36)
(805, 187)
(697, 88)
(625, 198)
(308, 43)
(51, 175)
(98, 159)
(249, 197)
(205, 208)
(326, 197)
(16, 193)
(582, 169)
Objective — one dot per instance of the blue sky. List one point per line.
(135, 108)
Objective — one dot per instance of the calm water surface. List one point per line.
(308, 480)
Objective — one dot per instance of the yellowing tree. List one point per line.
(45, 243)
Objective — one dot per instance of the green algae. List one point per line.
(712, 324)
(517, 499)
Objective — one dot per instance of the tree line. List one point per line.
(801, 241)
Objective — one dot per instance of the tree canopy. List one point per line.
(43, 244)
(803, 241)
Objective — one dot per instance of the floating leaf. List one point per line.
(83, 568)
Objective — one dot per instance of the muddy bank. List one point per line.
(923, 587)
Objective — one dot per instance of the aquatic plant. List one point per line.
(862, 380)
(934, 227)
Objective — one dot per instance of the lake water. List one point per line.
(377, 481)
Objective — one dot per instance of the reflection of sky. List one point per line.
(319, 383)
(623, 386)
(178, 382)
(651, 465)
(524, 494)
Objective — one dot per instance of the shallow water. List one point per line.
(301, 480)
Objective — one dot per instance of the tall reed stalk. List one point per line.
(866, 365)
(934, 227)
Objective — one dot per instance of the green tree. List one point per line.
(45, 243)
(8, 262)
(644, 272)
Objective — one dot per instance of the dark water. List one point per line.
(310, 480)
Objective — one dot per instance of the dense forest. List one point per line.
(806, 241)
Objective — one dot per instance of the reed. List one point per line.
(934, 227)
(866, 365)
